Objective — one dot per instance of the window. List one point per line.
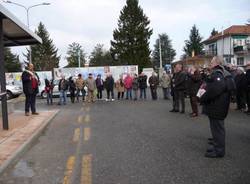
(240, 61)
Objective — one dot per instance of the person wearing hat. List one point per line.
(248, 87)
(91, 85)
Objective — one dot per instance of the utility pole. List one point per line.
(160, 69)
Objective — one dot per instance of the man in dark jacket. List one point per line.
(143, 85)
(248, 87)
(240, 81)
(153, 82)
(216, 100)
(31, 82)
(109, 84)
(63, 87)
(179, 87)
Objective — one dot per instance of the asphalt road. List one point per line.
(132, 142)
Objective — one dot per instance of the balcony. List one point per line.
(241, 50)
(210, 52)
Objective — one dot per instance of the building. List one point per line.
(232, 44)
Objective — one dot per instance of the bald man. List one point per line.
(216, 100)
(30, 82)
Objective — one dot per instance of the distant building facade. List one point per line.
(232, 44)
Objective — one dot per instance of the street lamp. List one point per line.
(27, 8)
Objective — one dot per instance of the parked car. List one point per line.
(55, 90)
(13, 91)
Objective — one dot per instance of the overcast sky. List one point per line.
(89, 22)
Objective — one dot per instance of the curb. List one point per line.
(27, 144)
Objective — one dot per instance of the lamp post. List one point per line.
(27, 8)
(160, 69)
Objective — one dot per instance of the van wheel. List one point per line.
(9, 95)
(43, 94)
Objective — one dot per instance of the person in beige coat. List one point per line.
(119, 85)
(90, 83)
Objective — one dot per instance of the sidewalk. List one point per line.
(23, 130)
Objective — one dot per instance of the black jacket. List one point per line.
(27, 83)
(109, 83)
(142, 80)
(179, 81)
(193, 83)
(63, 85)
(241, 82)
(153, 82)
(216, 98)
(248, 79)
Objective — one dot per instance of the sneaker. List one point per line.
(27, 113)
(35, 113)
(113, 99)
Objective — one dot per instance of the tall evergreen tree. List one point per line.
(12, 63)
(44, 56)
(167, 51)
(214, 32)
(100, 57)
(130, 44)
(73, 55)
(194, 43)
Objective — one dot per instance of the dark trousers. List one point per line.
(179, 96)
(194, 104)
(153, 93)
(143, 93)
(248, 100)
(120, 95)
(110, 91)
(72, 96)
(78, 94)
(218, 132)
(99, 93)
(240, 99)
(50, 98)
(135, 94)
(30, 103)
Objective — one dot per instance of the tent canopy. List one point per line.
(16, 33)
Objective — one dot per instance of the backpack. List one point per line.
(229, 81)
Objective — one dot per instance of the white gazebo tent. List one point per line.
(12, 33)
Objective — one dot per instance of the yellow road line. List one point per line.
(76, 135)
(86, 176)
(86, 134)
(87, 109)
(87, 118)
(69, 169)
(80, 119)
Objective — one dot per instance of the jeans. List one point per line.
(30, 103)
(63, 97)
(78, 94)
(50, 97)
(129, 93)
(166, 93)
(143, 93)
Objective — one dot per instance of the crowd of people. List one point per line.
(214, 88)
(130, 87)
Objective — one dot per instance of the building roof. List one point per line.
(15, 32)
(233, 30)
